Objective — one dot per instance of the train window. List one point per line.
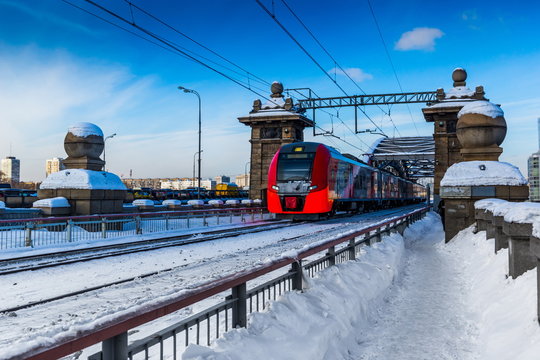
(294, 167)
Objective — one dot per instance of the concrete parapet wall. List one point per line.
(519, 223)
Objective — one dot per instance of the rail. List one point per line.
(232, 312)
(38, 232)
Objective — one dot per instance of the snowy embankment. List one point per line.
(408, 297)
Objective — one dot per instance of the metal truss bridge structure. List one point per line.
(409, 157)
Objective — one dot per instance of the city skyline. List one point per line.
(62, 66)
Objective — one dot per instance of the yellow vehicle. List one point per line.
(230, 190)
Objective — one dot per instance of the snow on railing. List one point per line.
(38, 232)
(211, 323)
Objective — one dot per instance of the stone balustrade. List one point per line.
(517, 227)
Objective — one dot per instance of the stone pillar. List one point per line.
(273, 124)
(501, 238)
(443, 115)
(520, 258)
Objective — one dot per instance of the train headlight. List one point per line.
(275, 187)
(313, 187)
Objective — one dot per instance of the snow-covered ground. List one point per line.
(410, 297)
(194, 264)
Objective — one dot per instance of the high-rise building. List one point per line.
(534, 172)
(242, 181)
(54, 165)
(11, 169)
(222, 179)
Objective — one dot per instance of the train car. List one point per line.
(308, 180)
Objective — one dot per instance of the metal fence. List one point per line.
(208, 325)
(37, 232)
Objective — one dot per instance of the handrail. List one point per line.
(99, 217)
(138, 316)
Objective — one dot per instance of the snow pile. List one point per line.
(327, 319)
(85, 129)
(143, 202)
(57, 202)
(479, 173)
(195, 202)
(324, 314)
(257, 202)
(523, 212)
(2, 205)
(459, 92)
(504, 308)
(488, 204)
(274, 103)
(215, 202)
(247, 202)
(173, 202)
(83, 179)
(481, 107)
(232, 202)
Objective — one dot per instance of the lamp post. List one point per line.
(104, 143)
(199, 161)
(193, 178)
(245, 174)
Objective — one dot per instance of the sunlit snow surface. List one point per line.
(410, 297)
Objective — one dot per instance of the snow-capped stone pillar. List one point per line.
(273, 124)
(87, 189)
(535, 250)
(466, 182)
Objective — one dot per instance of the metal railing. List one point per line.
(39, 232)
(208, 325)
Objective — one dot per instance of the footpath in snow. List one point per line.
(410, 297)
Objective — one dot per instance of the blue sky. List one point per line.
(59, 65)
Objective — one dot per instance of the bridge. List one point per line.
(409, 157)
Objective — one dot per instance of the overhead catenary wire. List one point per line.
(390, 60)
(173, 48)
(312, 59)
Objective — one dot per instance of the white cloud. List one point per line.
(355, 73)
(43, 92)
(419, 39)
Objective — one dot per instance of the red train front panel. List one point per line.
(298, 180)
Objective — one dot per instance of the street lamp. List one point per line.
(104, 141)
(245, 172)
(199, 167)
(193, 178)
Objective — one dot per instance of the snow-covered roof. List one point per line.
(172, 202)
(215, 202)
(85, 129)
(275, 112)
(52, 203)
(481, 107)
(195, 202)
(274, 103)
(525, 212)
(459, 92)
(83, 179)
(478, 173)
(446, 104)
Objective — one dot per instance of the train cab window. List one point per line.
(295, 166)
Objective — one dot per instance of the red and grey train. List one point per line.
(308, 180)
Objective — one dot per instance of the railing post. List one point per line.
(28, 234)
(187, 218)
(231, 215)
(252, 215)
(166, 221)
(239, 309)
(138, 225)
(378, 237)
(103, 227)
(262, 214)
(297, 281)
(242, 219)
(204, 223)
(331, 255)
(69, 230)
(115, 348)
(217, 220)
(352, 249)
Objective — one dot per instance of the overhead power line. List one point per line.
(390, 60)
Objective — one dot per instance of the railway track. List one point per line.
(35, 262)
(109, 251)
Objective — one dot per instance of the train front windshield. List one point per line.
(295, 166)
